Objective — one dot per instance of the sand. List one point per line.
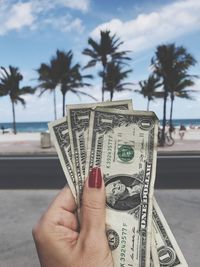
(10, 137)
(190, 134)
(31, 143)
(24, 143)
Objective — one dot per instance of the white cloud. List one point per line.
(65, 24)
(15, 17)
(35, 14)
(20, 15)
(148, 30)
(46, 5)
(196, 88)
(82, 5)
(76, 25)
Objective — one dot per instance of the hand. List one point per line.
(57, 237)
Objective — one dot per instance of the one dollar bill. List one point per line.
(60, 135)
(123, 144)
(154, 253)
(169, 253)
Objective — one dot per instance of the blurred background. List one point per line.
(55, 53)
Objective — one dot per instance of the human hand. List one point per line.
(57, 237)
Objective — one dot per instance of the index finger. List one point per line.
(65, 200)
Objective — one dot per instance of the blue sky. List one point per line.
(32, 30)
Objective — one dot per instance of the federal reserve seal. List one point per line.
(146, 124)
(125, 153)
(113, 239)
(166, 255)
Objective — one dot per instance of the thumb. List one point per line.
(93, 204)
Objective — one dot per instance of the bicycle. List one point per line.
(169, 140)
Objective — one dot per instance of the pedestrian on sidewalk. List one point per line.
(182, 131)
(3, 129)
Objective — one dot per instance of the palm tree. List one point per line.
(9, 83)
(61, 72)
(148, 88)
(179, 85)
(167, 61)
(49, 79)
(70, 77)
(114, 77)
(105, 51)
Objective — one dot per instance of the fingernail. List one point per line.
(95, 178)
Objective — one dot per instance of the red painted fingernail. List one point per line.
(95, 178)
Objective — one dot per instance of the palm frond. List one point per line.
(26, 90)
(90, 64)
(93, 44)
(83, 93)
(21, 100)
(90, 52)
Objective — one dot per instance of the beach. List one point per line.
(23, 143)
(31, 143)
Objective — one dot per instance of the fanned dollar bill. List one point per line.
(154, 253)
(78, 124)
(60, 135)
(123, 144)
(169, 253)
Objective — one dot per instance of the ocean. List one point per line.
(30, 127)
(33, 127)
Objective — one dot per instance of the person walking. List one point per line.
(182, 131)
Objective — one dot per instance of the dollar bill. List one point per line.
(169, 253)
(60, 135)
(123, 144)
(78, 124)
(154, 253)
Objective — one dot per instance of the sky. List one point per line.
(32, 30)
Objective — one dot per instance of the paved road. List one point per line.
(173, 171)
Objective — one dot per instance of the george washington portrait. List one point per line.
(123, 193)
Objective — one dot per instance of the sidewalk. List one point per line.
(182, 146)
(32, 147)
(20, 209)
(24, 147)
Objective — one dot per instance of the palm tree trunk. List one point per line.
(14, 122)
(171, 111)
(148, 102)
(111, 95)
(164, 117)
(63, 105)
(54, 103)
(103, 83)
